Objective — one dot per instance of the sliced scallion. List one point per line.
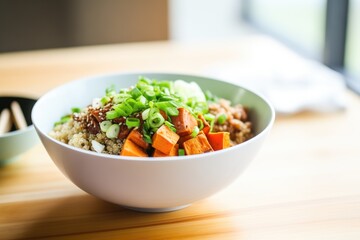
(135, 92)
(156, 120)
(132, 122)
(113, 131)
(170, 125)
(104, 100)
(222, 118)
(112, 115)
(145, 114)
(121, 97)
(104, 125)
(181, 152)
(149, 94)
(209, 117)
(75, 110)
(142, 100)
(147, 138)
(195, 131)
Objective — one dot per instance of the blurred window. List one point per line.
(352, 56)
(300, 23)
(326, 30)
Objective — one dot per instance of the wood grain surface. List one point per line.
(304, 184)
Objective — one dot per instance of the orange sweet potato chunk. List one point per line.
(164, 139)
(131, 149)
(173, 152)
(197, 145)
(184, 122)
(136, 137)
(183, 139)
(219, 140)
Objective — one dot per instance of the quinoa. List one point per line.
(74, 134)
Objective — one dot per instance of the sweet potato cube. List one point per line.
(173, 152)
(164, 139)
(183, 139)
(136, 137)
(197, 145)
(131, 149)
(219, 140)
(184, 122)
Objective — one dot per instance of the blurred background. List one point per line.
(321, 30)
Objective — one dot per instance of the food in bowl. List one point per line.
(143, 183)
(157, 119)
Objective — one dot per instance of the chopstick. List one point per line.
(18, 118)
(5, 121)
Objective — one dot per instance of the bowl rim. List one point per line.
(152, 159)
(29, 127)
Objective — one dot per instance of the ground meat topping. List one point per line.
(237, 122)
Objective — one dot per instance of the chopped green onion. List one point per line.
(169, 107)
(132, 103)
(110, 91)
(112, 115)
(210, 96)
(149, 94)
(135, 92)
(63, 119)
(75, 110)
(156, 120)
(113, 131)
(147, 138)
(200, 124)
(104, 100)
(195, 132)
(212, 122)
(201, 107)
(165, 84)
(142, 100)
(222, 118)
(132, 122)
(104, 125)
(172, 111)
(170, 125)
(144, 80)
(124, 109)
(209, 117)
(121, 97)
(181, 152)
(145, 114)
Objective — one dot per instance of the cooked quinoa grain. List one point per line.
(74, 134)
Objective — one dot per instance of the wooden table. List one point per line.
(304, 184)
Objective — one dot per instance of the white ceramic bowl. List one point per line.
(16, 142)
(148, 184)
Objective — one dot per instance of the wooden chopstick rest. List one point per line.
(5, 121)
(19, 118)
